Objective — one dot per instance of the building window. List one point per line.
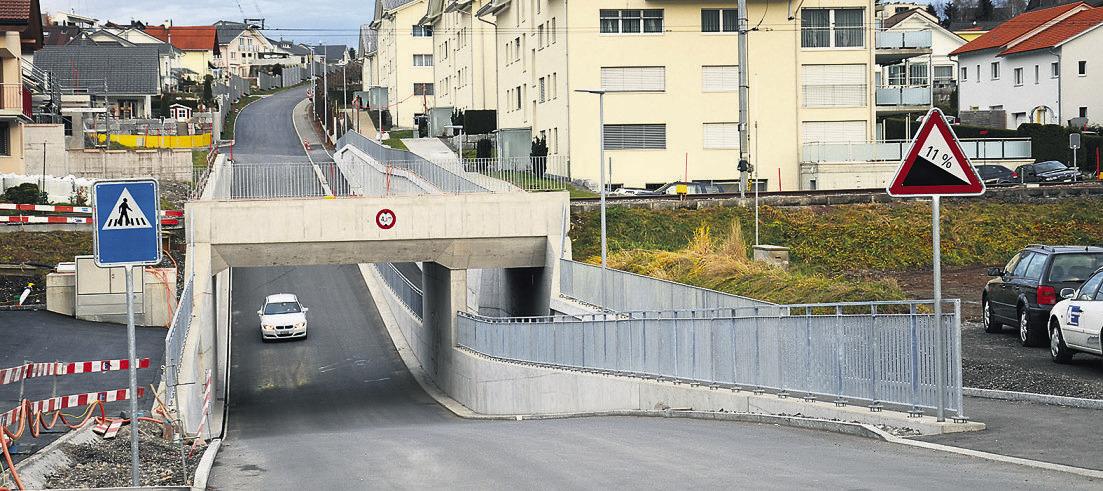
(631, 21)
(832, 28)
(917, 74)
(943, 75)
(964, 73)
(540, 36)
(635, 136)
(1083, 111)
(1053, 70)
(633, 79)
(896, 75)
(721, 135)
(720, 78)
(719, 20)
(834, 86)
(423, 89)
(552, 30)
(1018, 72)
(1082, 68)
(423, 60)
(5, 138)
(543, 89)
(1036, 72)
(423, 31)
(995, 70)
(517, 98)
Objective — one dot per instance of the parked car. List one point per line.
(1048, 171)
(1025, 290)
(1076, 323)
(693, 187)
(282, 317)
(996, 174)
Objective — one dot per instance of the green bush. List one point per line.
(24, 194)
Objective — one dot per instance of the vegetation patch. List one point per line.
(44, 247)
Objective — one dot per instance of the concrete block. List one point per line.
(61, 293)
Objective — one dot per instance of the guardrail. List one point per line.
(893, 150)
(174, 341)
(882, 352)
(406, 292)
(920, 39)
(16, 97)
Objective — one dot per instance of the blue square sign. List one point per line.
(127, 216)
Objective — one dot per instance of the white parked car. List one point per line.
(1076, 323)
(282, 317)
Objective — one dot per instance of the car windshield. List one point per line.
(281, 308)
(1049, 166)
(1074, 267)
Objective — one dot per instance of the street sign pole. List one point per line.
(940, 344)
(132, 354)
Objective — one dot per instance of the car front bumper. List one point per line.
(284, 333)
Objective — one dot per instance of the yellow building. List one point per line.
(199, 44)
(400, 63)
(670, 74)
(463, 55)
(20, 36)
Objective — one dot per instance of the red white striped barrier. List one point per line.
(54, 208)
(64, 402)
(37, 219)
(168, 217)
(206, 409)
(32, 370)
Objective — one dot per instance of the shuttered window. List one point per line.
(834, 85)
(723, 78)
(635, 136)
(633, 79)
(833, 131)
(721, 135)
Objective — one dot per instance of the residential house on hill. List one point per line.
(935, 71)
(21, 28)
(409, 81)
(122, 79)
(1043, 67)
(199, 45)
(463, 56)
(240, 46)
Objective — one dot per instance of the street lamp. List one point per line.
(601, 163)
(325, 91)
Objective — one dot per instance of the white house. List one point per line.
(937, 69)
(1040, 67)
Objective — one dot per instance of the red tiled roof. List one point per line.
(15, 10)
(1015, 28)
(1060, 32)
(187, 37)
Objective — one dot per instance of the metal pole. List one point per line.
(46, 195)
(601, 163)
(744, 136)
(132, 354)
(940, 348)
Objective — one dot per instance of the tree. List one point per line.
(985, 9)
(352, 53)
(931, 10)
(951, 12)
(208, 91)
(538, 154)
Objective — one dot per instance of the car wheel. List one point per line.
(990, 324)
(1027, 334)
(1057, 349)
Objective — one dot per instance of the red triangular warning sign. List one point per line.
(935, 164)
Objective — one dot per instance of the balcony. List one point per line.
(896, 46)
(903, 99)
(15, 103)
(894, 150)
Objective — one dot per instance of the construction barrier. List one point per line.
(167, 216)
(32, 370)
(64, 402)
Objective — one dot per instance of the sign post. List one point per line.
(127, 233)
(935, 166)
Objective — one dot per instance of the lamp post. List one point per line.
(601, 163)
(325, 91)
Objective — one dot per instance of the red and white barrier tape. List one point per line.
(64, 402)
(206, 409)
(36, 219)
(54, 208)
(32, 370)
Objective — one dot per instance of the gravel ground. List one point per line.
(106, 463)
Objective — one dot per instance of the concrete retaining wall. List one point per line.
(163, 164)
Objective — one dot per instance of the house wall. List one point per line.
(11, 75)
(1082, 90)
(396, 49)
(199, 62)
(463, 56)
(1019, 102)
(240, 53)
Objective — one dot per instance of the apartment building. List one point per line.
(198, 43)
(20, 36)
(463, 57)
(400, 62)
(670, 74)
(239, 47)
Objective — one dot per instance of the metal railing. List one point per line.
(887, 39)
(893, 150)
(449, 177)
(276, 180)
(626, 291)
(15, 97)
(174, 341)
(903, 96)
(406, 292)
(881, 352)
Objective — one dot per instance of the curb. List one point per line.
(1005, 395)
(203, 471)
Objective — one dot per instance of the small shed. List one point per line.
(180, 112)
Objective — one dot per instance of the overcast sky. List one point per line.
(331, 22)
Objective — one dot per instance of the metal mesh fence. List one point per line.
(174, 341)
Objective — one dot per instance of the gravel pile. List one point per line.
(106, 463)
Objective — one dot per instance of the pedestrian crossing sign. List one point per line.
(127, 228)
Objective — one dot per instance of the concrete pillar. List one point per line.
(444, 293)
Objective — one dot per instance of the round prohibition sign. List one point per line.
(385, 219)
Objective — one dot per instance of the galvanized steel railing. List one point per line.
(626, 291)
(407, 293)
(277, 180)
(448, 180)
(174, 341)
(882, 352)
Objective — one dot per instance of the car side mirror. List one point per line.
(1067, 292)
(305, 310)
(259, 312)
(995, 272)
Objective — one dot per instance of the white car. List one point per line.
(282, 317)
(1076, 323)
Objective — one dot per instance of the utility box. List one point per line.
(89, 292)
(771, 254)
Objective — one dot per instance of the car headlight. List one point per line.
(300, 325)
(267, 327)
